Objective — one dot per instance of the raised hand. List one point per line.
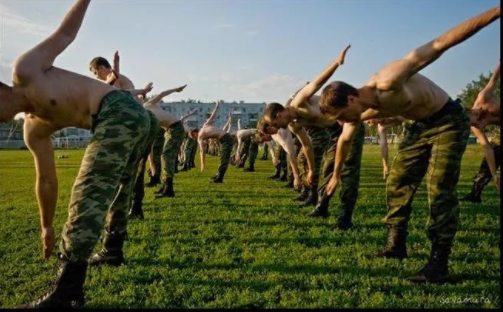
(342, 55)
(180, 89)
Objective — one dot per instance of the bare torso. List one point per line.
(210, 132)
(61, 98)
(309, 114)
(416, 99)
(165, 119)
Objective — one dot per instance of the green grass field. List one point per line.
(245, 244)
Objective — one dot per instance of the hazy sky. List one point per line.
(257, 51)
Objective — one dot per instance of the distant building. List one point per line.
(247, 112)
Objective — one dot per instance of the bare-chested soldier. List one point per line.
(208, 131)
(54, 98)
(101, 69)
(486, 111)
(435, 142)
(297, 115)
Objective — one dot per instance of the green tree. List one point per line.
(469, 93)
(472, 89)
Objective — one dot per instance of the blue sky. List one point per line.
(257, 51)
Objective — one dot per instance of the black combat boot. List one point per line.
(304, 193)
(284, 175)
(277, 173)
(68, 290)
(251, 168)
(154, 180)
(344, 220)
(168, 189)
(474, 196)
(396, 247)
(111, 253)
(185, 167)
(436, 271)
(321, 208)
(219, 178)
(312, 198)
(136, 211)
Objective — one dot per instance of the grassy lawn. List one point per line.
(245, 244)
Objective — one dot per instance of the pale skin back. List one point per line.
(398, 89)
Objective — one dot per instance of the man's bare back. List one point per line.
(416, 99)
(211, 132)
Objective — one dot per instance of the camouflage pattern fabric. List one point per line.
(173, 141)
(484, 176)
(434, 147)
(225, 153)
(103, 186)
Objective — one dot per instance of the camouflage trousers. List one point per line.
(253, 152)
(266, 151)
(484, 175)
(102, 189)
(190, 147)
(245, 150)
(320, 140)
(173, 141)
(282, 158)
(432, 147)
(350, 174)
(225, 153)
(156, 151)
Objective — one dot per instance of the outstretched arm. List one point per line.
(212, 116)
(227, 126)
(343, 146)
(489, 89)
(489, 154)
(307, 147)
(143, 92)
(416, 60)
(239, 124)
(383, 144)
(156, 99)
(184, 119)
(42, 56)
(116, 63)
(312, 87)
(202, 152)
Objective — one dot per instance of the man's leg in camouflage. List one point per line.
(174, 139)
(105, 179)
(484, 176)
(156, 152)
(244, 152)
(252, 151)
(193, 153)
(350, 180)
(448, 139)
(225, 156)
(266, 151)
(320, 139)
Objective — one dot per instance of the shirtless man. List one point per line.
(102, 70)
(244, 135)
(435, 142)
(207, 132)
(486, 111)
(286, 146)
(54, 98)
(174, 137)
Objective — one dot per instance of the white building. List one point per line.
(247, 112)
